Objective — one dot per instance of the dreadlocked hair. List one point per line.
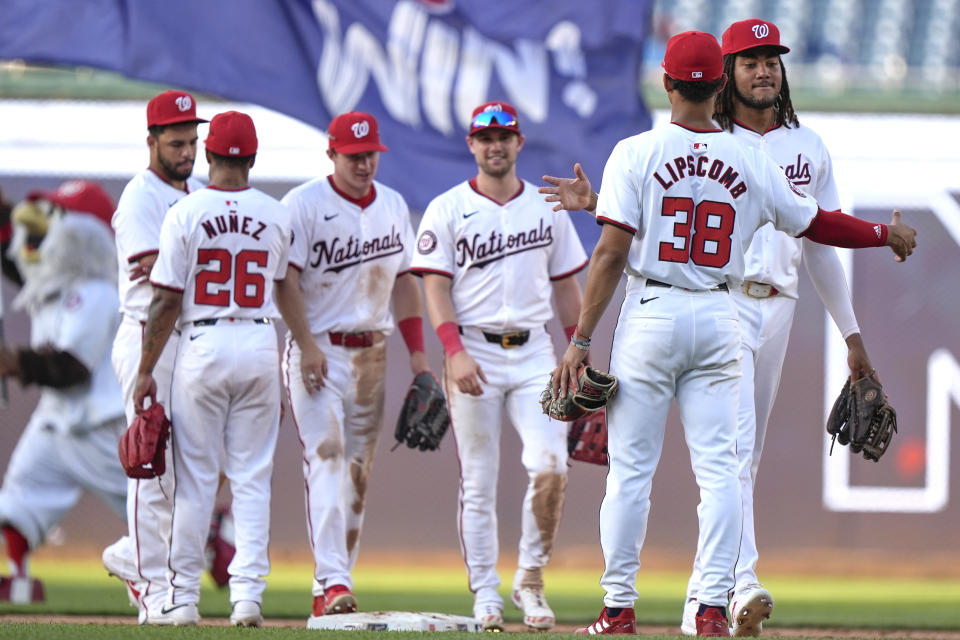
(723, 107)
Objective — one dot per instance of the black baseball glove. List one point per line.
(596, 389)
(423, 419)
(862, 418)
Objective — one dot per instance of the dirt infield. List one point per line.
(777, 632)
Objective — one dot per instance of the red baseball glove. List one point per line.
(587, 438)
(144, 443)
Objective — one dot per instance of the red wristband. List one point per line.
(412, 331)
(449, 334)
(572, 329)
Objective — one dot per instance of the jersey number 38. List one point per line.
(247, 287)
(705, 233)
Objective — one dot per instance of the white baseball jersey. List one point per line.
(348, 256)
(466, 236)
(773, 257)
(223, 249)
(136, 223)
(694, 200)
(82, 321)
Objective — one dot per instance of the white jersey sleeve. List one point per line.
(568, 256)
(298, 246)
(172, 267)
(619, 201)
(435, 240)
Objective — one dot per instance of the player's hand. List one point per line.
(466, 373)
(418, 363)
(571, 194)
(142, 268)
(901, 238)
(857, 358)
(146, 387)
(565, 376)
(313, 367)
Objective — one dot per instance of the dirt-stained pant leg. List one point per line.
(149, 501)
(319, 418)
(544, 457)
(363, 421)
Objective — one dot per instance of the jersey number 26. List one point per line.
(247, 287)
(708, 243)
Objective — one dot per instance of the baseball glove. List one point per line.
(144, 443)
(862, 418)
(596, 389)
(423, 419)
(587, 438)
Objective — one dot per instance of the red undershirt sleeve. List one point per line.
(840, 230)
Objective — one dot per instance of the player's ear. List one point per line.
(667, 83)
(520, 140)
(253, 160)
(723, 83)
(331, 154)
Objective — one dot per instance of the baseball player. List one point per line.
(221, 249)
(755, 105)
(491, 252)
(140, 559)
(63, 248)
(679, 204)
(350, 258)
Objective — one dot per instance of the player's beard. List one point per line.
(171, 172)
(760, 104)
(497, 172)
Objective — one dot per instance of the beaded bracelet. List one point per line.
(583, 345)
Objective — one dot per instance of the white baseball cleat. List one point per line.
(117, 565)
(246, 613)
(688, 623)
(174, 615)
(536, 612)
(751, 605)
(490, 615)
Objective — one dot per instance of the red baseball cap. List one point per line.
(355, 132)
(232, 134)
(494, 115)
(172, 107)
(693, 56)
(748, 34)
(79, 195)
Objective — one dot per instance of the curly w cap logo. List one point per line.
(761, 31)
(360, 129)
(184, 103)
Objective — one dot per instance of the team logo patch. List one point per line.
(877, 229)
(427, 242)
(696, 74)
(699, 147)
(360, 129)
(761, 31)
(183, 103)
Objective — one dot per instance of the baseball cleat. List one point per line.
(116, 566)
(339, 599)
(712, 623)
(688, 624)
(246, 613)
(624, 623)
(750, 607)
(536, 612)
(174, 615)
(490, 616)
(319, 605)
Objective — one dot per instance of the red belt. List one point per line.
(361, 339)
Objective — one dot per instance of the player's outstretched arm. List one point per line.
(313, 363)
(840, 230)
(571, 194)
(461, 368)
(408, 309)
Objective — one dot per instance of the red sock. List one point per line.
(17, 548)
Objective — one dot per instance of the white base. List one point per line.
(394, 621)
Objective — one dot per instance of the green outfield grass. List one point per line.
(83, 588)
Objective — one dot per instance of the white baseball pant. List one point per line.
(685, 344)
(516, 378)
(149, 501)
(338, 428)
(765, 325)
(225, 406)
